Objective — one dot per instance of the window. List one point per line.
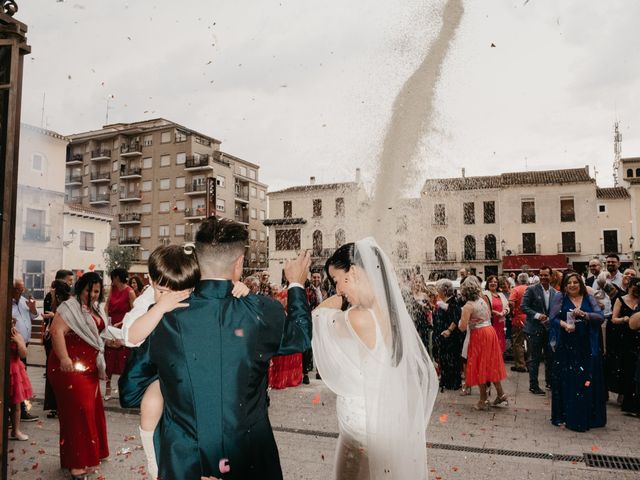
(567, 210)
(341, 238)
(440, 249)
(145, 232)
(34, 226)
(86, 169)
(317, 243)
(529, 243)
(165, 207)
(568, 242)
(637, 172)
(490, 247)
(181, 136)
(317, 207)
(144, 255)
(85, 192)
(253, 256)
(602, 208)
(610, 238)
(439, 214)
(37, 162)
(146, 186)
(165, 137)
(220, 181)
(180, 205)
(528, 210)
(163, 231)
(147, 140)
(220, 204)
(165, 183)
(469, 247)
(262, 258)
(34, 278)
(263, 215)
(339, 207)
(252, 174)
(261, 194)
(181, 158)
(242, 171)
(469, 213)
(146, 208)
(254, 235)
(180, 230)
(87, 241)
(114, 234)
(288, 209)
(147, 162)
(179, 182)
(254, 214)
(629, 172)
(489, 212)
(253, 191)
(288, 239)
(114, 166)
(263, 236)
(165, 160)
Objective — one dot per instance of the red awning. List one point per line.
(534, 262)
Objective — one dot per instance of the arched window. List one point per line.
(341, 238)
(403, 250)
(317, 243)
(490, 251)
(440, 249)
(629, 172)
(469, 247)
(637, 172)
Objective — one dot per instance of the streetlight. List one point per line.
(631, 241)
(503, 244)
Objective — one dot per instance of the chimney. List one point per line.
(358, 176)
(312, 180)
(463, 173)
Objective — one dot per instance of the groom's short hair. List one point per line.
(219, 242)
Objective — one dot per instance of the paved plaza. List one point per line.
(462, 442)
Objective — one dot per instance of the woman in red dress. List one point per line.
(285, 370)
(75, 367)
(119, 302)
(499, 309)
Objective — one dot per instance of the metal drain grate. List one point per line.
(511, 453)
(612, 462)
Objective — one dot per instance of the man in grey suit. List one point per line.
(535, 304)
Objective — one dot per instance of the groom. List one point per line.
(212, 360)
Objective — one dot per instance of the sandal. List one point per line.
(465, 391)
(502, 401)
(482, 406)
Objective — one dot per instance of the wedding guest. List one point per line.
(499, 309)
(578, 391)
(19, 384)
(316, 294)
(137, 285)
(447, 338)
(285, 370)
(518, 319)
(253, 284)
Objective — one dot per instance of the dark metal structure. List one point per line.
(13, 47)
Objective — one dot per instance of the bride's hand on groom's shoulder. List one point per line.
(297, 270)
(171, 300)
(240, 290)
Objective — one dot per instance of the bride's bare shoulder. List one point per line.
(363, 324)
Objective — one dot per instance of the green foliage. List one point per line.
(117, 256)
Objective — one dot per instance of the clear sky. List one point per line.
(305, 88)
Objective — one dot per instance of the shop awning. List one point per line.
(515, 263)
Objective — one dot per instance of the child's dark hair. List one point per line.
(62, 291)
(174, 267)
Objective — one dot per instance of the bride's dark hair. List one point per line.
(342, 259)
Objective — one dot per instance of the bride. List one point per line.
(371, 356)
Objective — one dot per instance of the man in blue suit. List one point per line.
(535, 304)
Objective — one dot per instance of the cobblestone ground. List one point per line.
(306, 431)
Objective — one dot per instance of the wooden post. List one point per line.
(13, 47)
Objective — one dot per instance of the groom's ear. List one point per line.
(238, 265)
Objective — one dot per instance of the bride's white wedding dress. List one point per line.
(385, 394)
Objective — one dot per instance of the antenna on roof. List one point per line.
(617, 149)
(44, 95)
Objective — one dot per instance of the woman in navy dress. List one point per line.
(578, 390)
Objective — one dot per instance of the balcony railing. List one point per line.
(129, 218)
(73, 179)
(242, 218)
(202, 161)
(130, 196)
(479, 256)
(195, 188)
(129, 241)
(610, 248)
(569, 247)
(100, 154)
(100, 176)
(73, 199)
(131, 172)
(100, 198)
(75, 158)
(195, 212)
(130, 149)
(529, 249)
(164, 241)
(441, 257)
(240, 195)
(37, 234)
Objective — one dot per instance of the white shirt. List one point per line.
(547, 295)
(20, 311)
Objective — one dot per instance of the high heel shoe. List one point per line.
(501, 401)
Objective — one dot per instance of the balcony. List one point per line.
(610, 248)
(129, 218)
(529, 249)
(75, 159)
(164, 241)
(73, 180)
(193, 164)
(130, 173)
(242, 218)
(100, 154)
(100, 177)
(569, 247)
(242, 196)
(130, 149)
(479, 256)
(132, 241)
(195, 213)
(134, 196)
(72, 199)
(195, 189)
(37, 234)
(100, 199)
(437, 257)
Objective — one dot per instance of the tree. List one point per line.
(116, 256)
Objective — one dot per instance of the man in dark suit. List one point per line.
(595, 267)
(535, 304)
(212, 359)
(316, 294)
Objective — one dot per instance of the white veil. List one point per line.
(400, 385)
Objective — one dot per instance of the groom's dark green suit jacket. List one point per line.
(212, 360)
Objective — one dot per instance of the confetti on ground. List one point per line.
(595, 448)
(444, 418)
(316, 399)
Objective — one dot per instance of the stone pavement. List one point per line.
(306, 431)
